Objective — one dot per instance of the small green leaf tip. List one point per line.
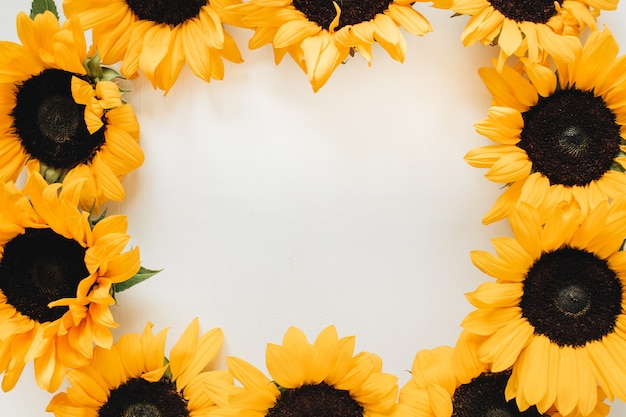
(141, 275)
(94, 220)
(109, 74)
(41, 6)
(96, 72)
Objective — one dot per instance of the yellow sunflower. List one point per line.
(535, 29)
(56, 277)
(320, 34)
(159, 37)
(57, 116)
(323, 378)
(134, 378)
(555, 314)
(436, 389)
(559, 134)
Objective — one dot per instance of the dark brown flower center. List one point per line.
(571, 137)
(140, 398)
(353, 12)
(535, 11)
(321, 400)
(166, 11)
(38, 267)
(484, 396)
(50, 124)
(572, 297)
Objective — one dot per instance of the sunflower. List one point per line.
(450, 382)
(555, 314)
(559, 134)
(324, 378)
(320, 34)
(535, 29)
(158, 37)
(134, 378)
(56, 277)
(58, 117)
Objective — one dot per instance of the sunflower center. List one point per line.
(51, 124)
(498, 412)
(572, 297)
(321, 400)
(571, 137)
(166, 11)
(58, 118)
(573, 300)
(353, 12)
(140, 398)
(574, 141)
(484, 396)
(38, 267)
(141, 410)
(535, 11)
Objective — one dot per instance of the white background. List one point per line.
(268, 206)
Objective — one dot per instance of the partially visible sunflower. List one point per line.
(535, 29)
(135, 378)
(56, 278)
(320, 34)
(556, 313)
(158, 37)
(435, 389)
(56, 115)
(559, 134)
(323, 378)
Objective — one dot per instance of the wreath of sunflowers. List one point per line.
(547, 334)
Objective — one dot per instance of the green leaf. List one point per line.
(40, 6)
(141, 275)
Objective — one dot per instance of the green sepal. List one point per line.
(94, 220)
(168, 372)
(41, 6)
(92, 65)
(96, 72)
(52, 175)
(616, 166)
(141, 275)
(109, 74)
(282, 390)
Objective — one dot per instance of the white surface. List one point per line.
(270, 206)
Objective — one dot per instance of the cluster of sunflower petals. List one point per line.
(553, 319)
(316, 34)
(326, 376)
(156, 46)
(319, 50)
(520, 30)
(123, 33)
(114, 382)
(48, 53)
(47, 217)
(106, 96)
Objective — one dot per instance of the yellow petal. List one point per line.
(294, 32)
(510, 37)
(156, 44)
(410, 19)
(284, 368)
